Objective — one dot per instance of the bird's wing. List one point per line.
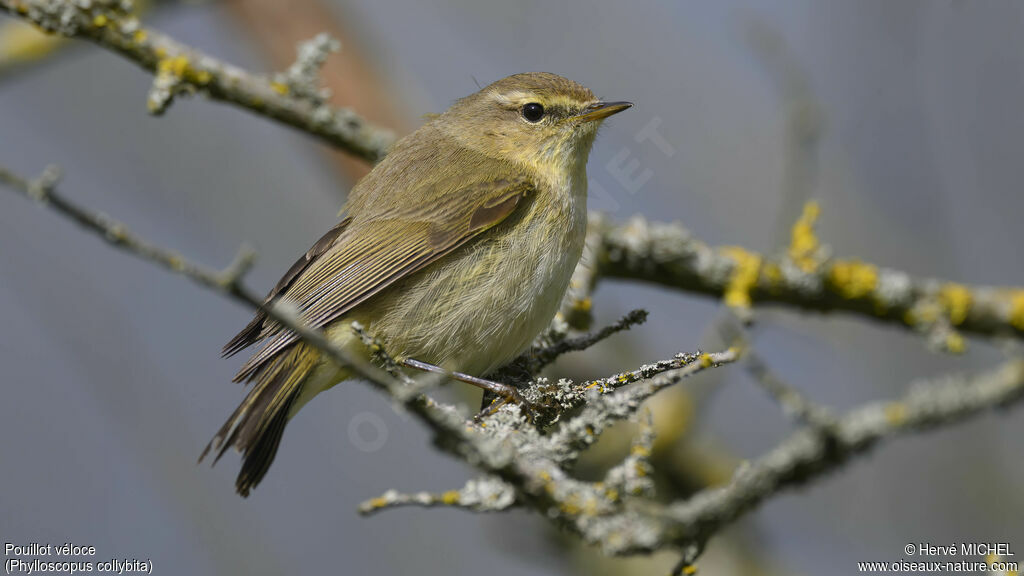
(253, 332)
(362, 257)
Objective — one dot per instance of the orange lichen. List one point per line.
(804, 244)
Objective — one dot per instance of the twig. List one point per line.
(486, 494)
(791, 400)
(179, 69)
(227, 281)
(537, 358)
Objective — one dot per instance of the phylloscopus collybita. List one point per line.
(455, 251)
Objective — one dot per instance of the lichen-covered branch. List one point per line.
(812, 452)
(804, 278)
(526, 458)
(291, 98)
(509, 447)
(666, 254)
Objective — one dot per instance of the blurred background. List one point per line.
(902, 118)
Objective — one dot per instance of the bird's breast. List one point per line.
(484, 304)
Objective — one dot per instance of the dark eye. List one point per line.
(533, 112)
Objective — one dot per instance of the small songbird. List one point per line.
(455, 251)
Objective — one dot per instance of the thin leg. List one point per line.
(506, 392)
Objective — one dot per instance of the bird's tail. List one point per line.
(255, 427)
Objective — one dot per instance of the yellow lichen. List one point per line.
(744, 276)
(377, 503)
(706, 361)
(280, 87)
(583, 305)
(895, 413)
(450, 497)
(955, 343)
(1017, 309)
(690, 569)
(772, 275)
(640, 470)
(175, 65)
(571, 506)
(100, 20)
(180, 67)
(956, 299)
(641, 451)
(804, 243)
(139, 36)
(853, 279)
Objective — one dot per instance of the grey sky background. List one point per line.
(111, 375)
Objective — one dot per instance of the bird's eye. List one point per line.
(533, 112)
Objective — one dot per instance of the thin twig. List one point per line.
(227, 281)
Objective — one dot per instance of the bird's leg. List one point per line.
(507, 393)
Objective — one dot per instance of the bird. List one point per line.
(455, 251)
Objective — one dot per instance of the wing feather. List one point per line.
(368, 256)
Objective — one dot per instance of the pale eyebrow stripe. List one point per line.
(518, 98)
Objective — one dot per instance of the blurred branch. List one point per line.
(666, 254)
(227, 281)
(352, 75)
(803, 278)
(812, 452)
(180, 69)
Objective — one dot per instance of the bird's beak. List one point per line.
(602, 110)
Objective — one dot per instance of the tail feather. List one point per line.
(256, 426)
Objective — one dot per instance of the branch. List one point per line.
(813, 452)
(669, 255)
(666, 254)
(227, 282)
(181, 69)
(528, 465)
